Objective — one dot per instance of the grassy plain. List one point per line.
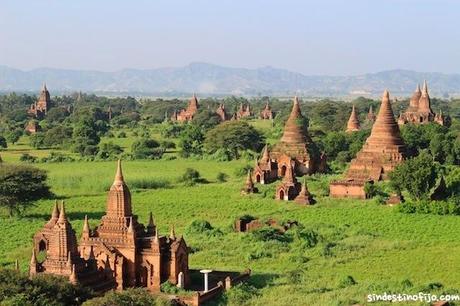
(378, 246)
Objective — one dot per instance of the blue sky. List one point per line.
(334, 37)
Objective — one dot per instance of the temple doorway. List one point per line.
(258, 178)
(283, 170)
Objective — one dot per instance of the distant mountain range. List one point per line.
(208, 79)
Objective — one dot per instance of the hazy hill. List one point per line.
(210, 79)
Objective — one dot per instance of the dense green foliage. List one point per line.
(16, 289)
(20, 185)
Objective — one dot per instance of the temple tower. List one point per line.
(382, 151)
(296, 145)
(353, 122)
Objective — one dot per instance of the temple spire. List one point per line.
(294, 130)
(353, 121)
(86, 228)
(172, 234)
(62, 215)
(130, 227)
(385, 131)
(33, 260)
(119, 175)
(289, 176)
(266, 154)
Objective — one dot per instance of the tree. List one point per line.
(191, 141)
(145, 148)
(234, 137)
(13, 136)
(17, 289)
(206, 119)
(20, 185)
(417, 175)
(3, 144)
(109, 151)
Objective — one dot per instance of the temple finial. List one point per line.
(62, 215)
(119, 175)
(151, 223)
(86, 228)
(172, 234)
(130, 227)
(33, 260)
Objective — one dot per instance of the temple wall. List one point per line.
(344, 190)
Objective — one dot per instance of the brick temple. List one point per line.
(41, 107)
(382, 151)
(295, 149)
(243, 112)
(267, 113)
(370, 117)
(419, 110)
(221, 112)
(119, 253)
(353, 122)
(188, 113)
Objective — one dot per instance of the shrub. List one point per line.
(57, 157)
(347, 281)
(148, 183)
(122, 134)
(268, 234)
(200, 227)
(27, 158)
(145, 148)
(240, 294)
(221, 177)
(242, 171)
(137, 296)
(191, 177)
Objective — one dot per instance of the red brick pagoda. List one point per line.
(41, 107)
(382, 151)
(353, 122)
(188, 113)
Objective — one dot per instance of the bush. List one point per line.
(17, 289)
(202, 227)
(165, 144)
(27, 158)
(221, 177)
(191, 177)
(137, 296)
(242, 171)
(121, 135)
(268, 234)
(57, 157)
(148, 184)
(110, 151)
(347, 281)
(146, 149)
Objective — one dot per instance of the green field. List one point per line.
(375, 244)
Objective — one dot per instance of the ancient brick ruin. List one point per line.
(249, 185)
(41, 107)
(267, 113)
(353, 122)
(243, 112)
(370, 117)
(289, 188)
(296, 147)
(419, 110)
(119, 253)
(382, 151)
(222, 113)
(188, 113)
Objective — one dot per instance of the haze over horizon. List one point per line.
(332, 37)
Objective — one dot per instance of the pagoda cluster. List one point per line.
(382, 151)
(419, 110)
(294, 155)
(119, 253)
